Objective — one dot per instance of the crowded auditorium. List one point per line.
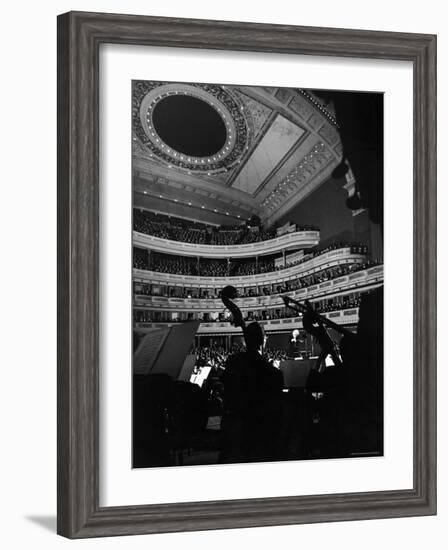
(257, 274)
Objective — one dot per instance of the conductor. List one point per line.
(252, 403)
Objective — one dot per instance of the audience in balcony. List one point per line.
(323, 305)
(207, 267)
(213, 268)
(355, 248)
(204, 267)
(140, 263)
(173, 264)
(178, 229)
(246, 292)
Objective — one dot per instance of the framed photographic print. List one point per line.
(246, 274)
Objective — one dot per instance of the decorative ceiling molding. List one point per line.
(215, 208)
(146, 173)
(147, 94)
(310, 97)
(310, 164)
(303, 167)
(291, 200)
(273, 149)
(259, 112)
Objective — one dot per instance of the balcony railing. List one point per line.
(342, 317)
(290, 241)
(365, 279)
(329, 259)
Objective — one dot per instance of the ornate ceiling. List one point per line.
(220, 154)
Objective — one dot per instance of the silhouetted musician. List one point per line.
(252, 403)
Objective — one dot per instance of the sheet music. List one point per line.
(148, 350)
(164, 350)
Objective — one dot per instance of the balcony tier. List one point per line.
(366, 280)
(329, 259)
(342, 317)
(290, 241)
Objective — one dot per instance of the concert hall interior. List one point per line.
(275, 195)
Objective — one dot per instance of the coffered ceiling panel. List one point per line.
(277, 143)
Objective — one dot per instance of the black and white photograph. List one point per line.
(257, 274)
(221, 249)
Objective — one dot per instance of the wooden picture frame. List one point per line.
(79, 38)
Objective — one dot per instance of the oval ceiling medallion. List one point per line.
(189, 125)
(196, 127)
